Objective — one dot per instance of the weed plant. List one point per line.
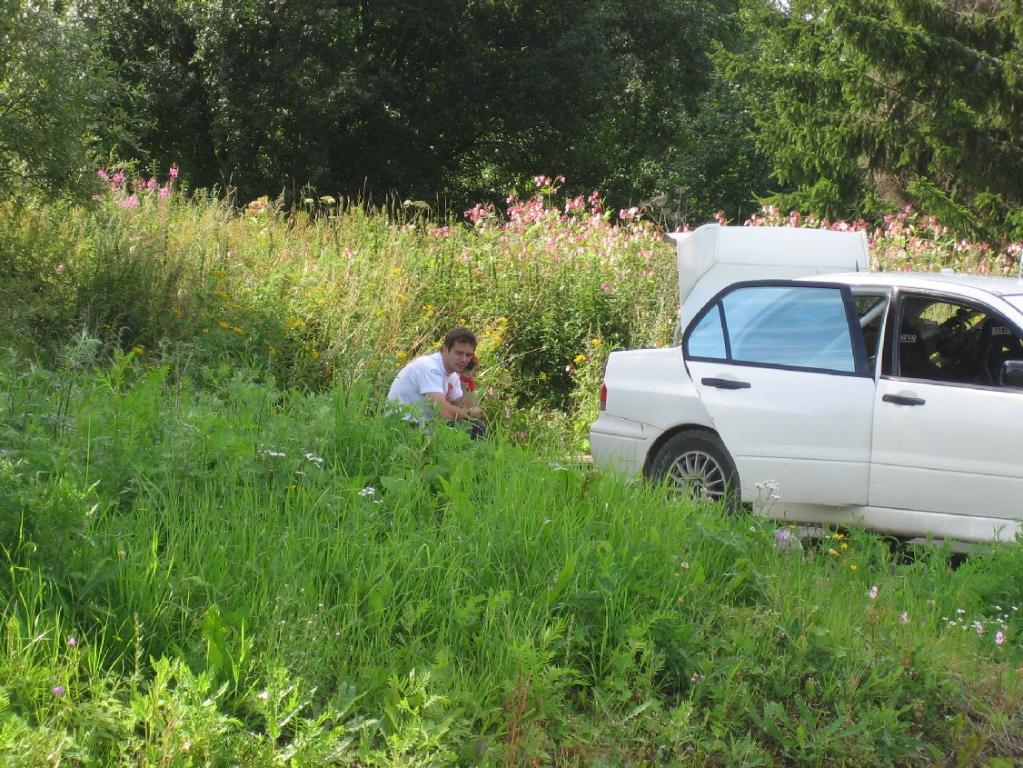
(219, 571)
(216, 550)
(336, 293)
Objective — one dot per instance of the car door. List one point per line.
(782, 370)
(947, 431)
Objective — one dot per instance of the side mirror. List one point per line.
(1011, 374)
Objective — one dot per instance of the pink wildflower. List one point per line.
(151, 185)
(57, 690)
(118, 178)
(999, 637)
(173, 171)
(130, 202)
(872, 592)
(103, 174)
(904, 617)
(479, 212)
(164, 193)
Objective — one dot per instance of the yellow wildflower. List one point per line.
(579, 359)
(236, 329)
(543, 376)
(853, 567)
(138, 349)
(596, 342)
(314, 354)
(223, 324)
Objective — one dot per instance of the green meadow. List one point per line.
(218, 549)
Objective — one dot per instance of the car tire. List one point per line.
(696, 465)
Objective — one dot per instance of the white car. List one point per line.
(821, 392)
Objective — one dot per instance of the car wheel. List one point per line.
(698, 466)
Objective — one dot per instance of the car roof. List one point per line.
(932, 281)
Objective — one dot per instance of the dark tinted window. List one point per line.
(951, 341)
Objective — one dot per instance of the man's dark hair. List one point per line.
(460, 335)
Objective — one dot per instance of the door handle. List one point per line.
(726, 383)
(903, 400)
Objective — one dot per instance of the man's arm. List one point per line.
(452, 411)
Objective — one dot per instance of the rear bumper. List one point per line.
(619, 444)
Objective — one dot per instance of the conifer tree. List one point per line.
(864, 105)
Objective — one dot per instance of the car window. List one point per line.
(708, 337)
(954, 342)
(805, 327)
(871, 308)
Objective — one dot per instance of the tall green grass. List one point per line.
(250, 572)
(339, 293)
(217, 550)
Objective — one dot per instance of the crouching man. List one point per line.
(432, 384)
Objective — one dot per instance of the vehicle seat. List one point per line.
(914, 357)
(996, 346)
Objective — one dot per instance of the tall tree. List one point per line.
(866, 104)
(462, 97)
(53, 95)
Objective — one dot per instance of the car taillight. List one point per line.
(603, 396)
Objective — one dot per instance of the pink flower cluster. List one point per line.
(908, 240)
(480, 212)
(130, 193)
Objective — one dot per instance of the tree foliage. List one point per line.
(460, 97)
(862, 105)
(53, 91)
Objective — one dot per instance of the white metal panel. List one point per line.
(959, 452)
(652, 387)
(807, 432)
(616, 444)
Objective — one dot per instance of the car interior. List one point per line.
(943, 340)
(871, 309)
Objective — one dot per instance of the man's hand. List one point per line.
(451, 411)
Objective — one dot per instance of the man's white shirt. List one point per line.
(423, 376)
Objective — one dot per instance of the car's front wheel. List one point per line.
(697, 464)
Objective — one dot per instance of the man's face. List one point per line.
(457, 356)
